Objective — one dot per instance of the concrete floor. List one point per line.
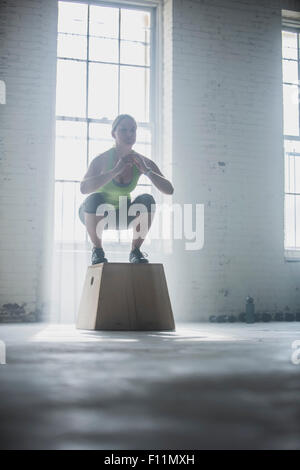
(204, 386)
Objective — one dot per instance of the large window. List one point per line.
(291, 116)
(104, 68)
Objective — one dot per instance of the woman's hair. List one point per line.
(119, 119)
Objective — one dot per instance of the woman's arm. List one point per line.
(91, 184)
(95, 177)
(159, 180)
(150, 169)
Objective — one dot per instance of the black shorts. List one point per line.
(94, 200)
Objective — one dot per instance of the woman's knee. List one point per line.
(147, 200)
(92, 202)
(90, 205)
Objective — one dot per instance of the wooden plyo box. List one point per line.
(125, 296)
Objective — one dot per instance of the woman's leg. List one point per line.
(91, 222)
(87, 214)
(146, 217)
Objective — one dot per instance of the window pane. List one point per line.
(297, 174)
(68, 227)
(292, 173)
(143, 141)
(72, 18)
(135, 53)
(292, 221)
(289, 45)
(290, 109)
(71, 46)
(70, 90)
(103, 49)
(289, 216)
(134, 92)
(291, 145)
(289, 174)
(143, 135)
(103, 91)
(135, 25)
(297, 221)
(135, 37)
(100, 139)
(290, 71)
(143, 149)
(104, 22)
(70, 153)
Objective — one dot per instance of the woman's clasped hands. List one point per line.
(138, 160)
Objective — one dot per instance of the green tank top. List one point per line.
(113, 189)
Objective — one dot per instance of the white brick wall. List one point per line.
(228, 154)
(28, 67)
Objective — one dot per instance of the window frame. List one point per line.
(291, 254)
(154, 7)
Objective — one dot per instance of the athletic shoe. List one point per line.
(136, 256)
(98, 256)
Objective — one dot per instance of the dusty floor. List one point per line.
(204, 386)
